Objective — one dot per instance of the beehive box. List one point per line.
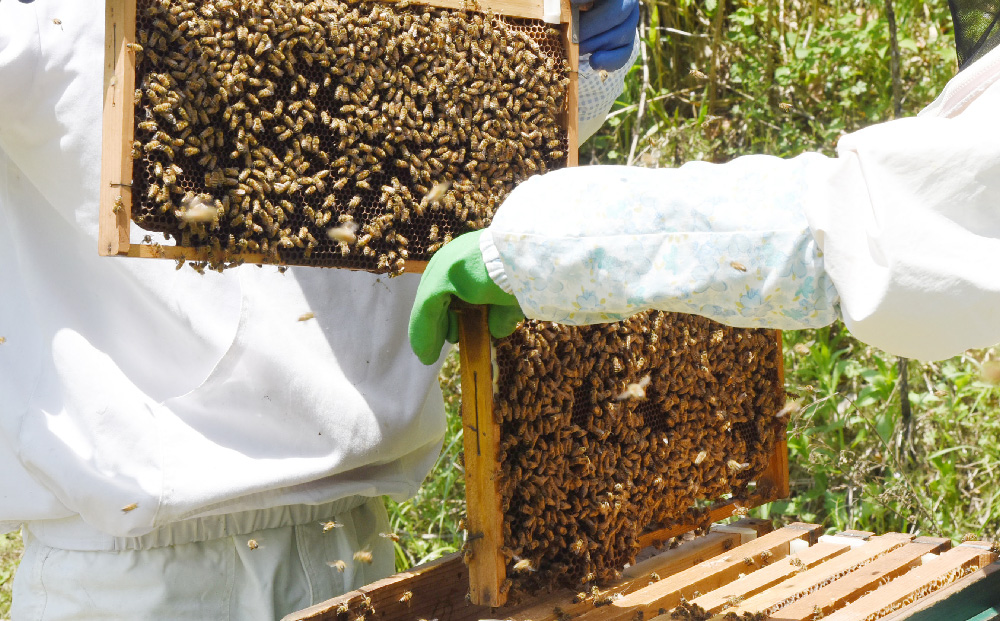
(583, 445)
(342, 134)
(743, 571)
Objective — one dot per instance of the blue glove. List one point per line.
(607, 32)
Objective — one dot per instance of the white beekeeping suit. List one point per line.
(898, 234)
(198, 403)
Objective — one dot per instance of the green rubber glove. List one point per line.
(457, 269)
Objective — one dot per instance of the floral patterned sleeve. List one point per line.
(730, 242)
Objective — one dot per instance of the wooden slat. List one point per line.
(438, 592)
(809, 580)
(858, 583)
(152, 251)
(571, 118)
(116, 140)
(481, 440)
(925, 579)
(697, 550)
(719, 511)
(777, 469)
(703, 578)
(664, 564)
(765, 578)
(533, 9)
(960, 600)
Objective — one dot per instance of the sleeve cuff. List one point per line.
(598, 92)
(491, 259)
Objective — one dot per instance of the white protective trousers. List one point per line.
(207, 568)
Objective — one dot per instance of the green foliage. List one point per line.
(856, 464)
(10, 554)
(777, 77)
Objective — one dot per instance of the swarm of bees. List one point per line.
(584, 472)
(356, 134)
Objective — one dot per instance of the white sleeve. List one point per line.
(598, 92)
(898, 234)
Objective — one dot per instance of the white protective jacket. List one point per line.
(898, 235)
(125, 381)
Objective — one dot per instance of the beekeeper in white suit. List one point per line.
(898, 235)
(172, 443)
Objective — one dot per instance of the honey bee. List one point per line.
(118, 206)
(252, 544)
(785, 106)
(338, 565)
(363, 556)
(635, 390)
(736, 466)
(129, 507)
(524, 565)
(345, 233)
(736, 265)
(197, 210)
(307, 317)
(406, 597)
(701, 457)
(392, 536)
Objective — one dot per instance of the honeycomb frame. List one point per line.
(117, 235)
(486, 552)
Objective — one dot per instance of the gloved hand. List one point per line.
(457, 269)
(607, 32)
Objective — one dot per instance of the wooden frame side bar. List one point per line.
(481, 439)
(115, 214)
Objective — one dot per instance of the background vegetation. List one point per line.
(719, 79)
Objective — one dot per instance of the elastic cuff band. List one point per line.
(491, 258)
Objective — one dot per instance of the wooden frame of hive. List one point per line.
(115, 216)
(481, 437)
(790, 574)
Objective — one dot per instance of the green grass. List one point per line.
(10, 554)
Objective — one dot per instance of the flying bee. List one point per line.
(363, 556)
(636, 390)
(197, 210)
(523, 565)
(252, 544)
(392, 536)
(129, 507)
(736, 466)
(345, 233)
(338, 565)
(736, 265)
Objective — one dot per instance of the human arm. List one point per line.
(898, 234)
